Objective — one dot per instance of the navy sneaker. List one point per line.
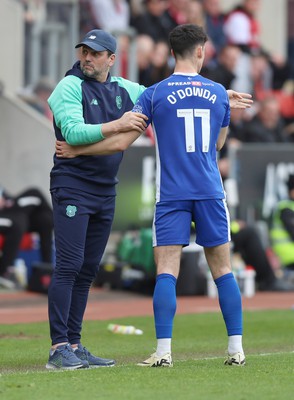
(65, 358)
(94, 362)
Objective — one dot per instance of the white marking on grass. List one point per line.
(247, 355)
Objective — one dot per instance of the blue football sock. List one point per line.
(164, 305)
(230, 303)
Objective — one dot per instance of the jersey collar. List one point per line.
(186, 73)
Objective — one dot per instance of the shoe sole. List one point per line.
(54, 367)
(101, 366)
(155, 366)
(235, 364)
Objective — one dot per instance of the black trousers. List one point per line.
(30, 213)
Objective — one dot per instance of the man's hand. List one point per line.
(129, 122)
(65, 150)
(132, 121)
(239, 100)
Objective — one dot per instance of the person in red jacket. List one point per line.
(242, 26)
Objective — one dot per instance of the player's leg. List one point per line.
(213, 233)
(171, 232)
(167, 259)
(218, 258)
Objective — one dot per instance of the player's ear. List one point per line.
(200, 51)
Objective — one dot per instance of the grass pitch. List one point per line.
(199, 348)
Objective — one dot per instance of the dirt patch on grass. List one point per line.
(104, 304)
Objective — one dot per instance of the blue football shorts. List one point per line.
(172, 222)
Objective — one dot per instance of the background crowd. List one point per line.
(235, 56)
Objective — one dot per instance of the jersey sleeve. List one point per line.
(227, 117)
(66, 105)
(144, 104)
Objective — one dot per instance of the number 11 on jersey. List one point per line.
(188, 115)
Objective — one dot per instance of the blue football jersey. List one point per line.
(187, 112)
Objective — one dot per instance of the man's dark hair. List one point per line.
(184, 38)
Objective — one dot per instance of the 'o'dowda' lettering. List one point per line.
(189, 92)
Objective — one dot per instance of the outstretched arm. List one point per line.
(110, 145)
(239, 100)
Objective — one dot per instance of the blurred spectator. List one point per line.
(194, 13)
(42, 91)
(243, 79)
(290, 132)
(214, 23)
(160, 68)
(123, 59)
(237, 123)
(282, 229)
(242, 26)
(110, 15)
(286, 100)
(154, 21)
(239, 118)
(210, 58)
(145, 48)
(261, 75)
(136, 7)
(281, 71)
(177, 11)
(224, 70)
(27, 212)
(267, 126)
(247, 242)
(271, 77)
(39, 96)
(153, 64)
(269, 72)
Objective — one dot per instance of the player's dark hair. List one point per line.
(184, 38)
